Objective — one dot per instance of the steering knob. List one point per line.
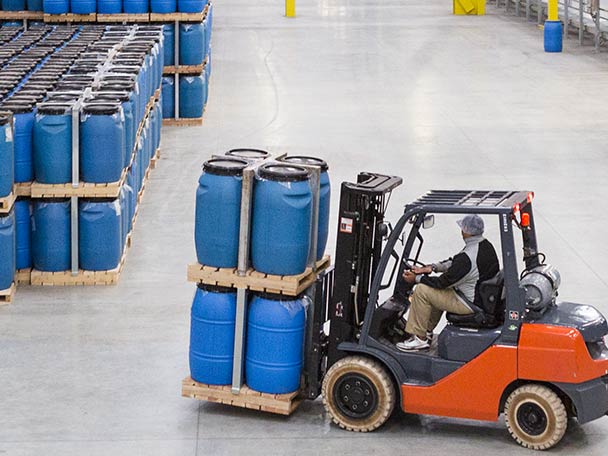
(383, 229)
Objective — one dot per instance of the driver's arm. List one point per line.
(459, 267)
(442, 266)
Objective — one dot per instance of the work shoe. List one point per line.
(429, 336)
(414, 343)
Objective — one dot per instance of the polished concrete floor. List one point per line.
(389, 86)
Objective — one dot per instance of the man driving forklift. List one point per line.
(453, 291)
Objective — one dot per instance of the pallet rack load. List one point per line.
(245, 280)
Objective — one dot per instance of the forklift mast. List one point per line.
(361, 232)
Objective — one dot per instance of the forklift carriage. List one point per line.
(521, 353)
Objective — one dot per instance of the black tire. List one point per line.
(358, 394)
(536, 417)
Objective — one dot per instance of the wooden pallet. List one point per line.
(182, 17)
(83, 190)
(155, 159)
(23, 276)
(184, 69)
(254, 280)
(23, 189)
(6, 296)
(69, 17)
(281, 404)
(124, 17)
(6, 203)
(183, 122)
(21, 15)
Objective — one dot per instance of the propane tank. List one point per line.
(541, 284)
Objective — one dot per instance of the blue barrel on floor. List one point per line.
(51, 231)
(23, 127)
(109, 6)
(7, 165)
(34, 5)
(128, 108)
(13, 5)
(7, 250)
(191, 96)
(100, 230)
(102, 144)
(212, 335)
(168, 97)
(56, 6)
(53, 143)
(218, 212)
(135, 6)
(169, 44)
(163, 6)
(553, 36)
(23, 220)
(282, 217)
(191, 43)
(83, 6)
(275, 344)
(324, 198)
(191, 6)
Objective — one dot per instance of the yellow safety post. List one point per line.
(290, 8)
(552, 11)
(477, 7)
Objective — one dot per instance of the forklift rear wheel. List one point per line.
(536, 417)
(358, 394)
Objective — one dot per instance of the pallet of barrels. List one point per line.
(86, 130)
(261, 228)
(187, 70)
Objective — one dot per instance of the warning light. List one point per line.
(530, 197)
(525, 220)
(516, 208)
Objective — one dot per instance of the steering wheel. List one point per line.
(411, 262)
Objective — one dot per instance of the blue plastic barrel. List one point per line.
(83, 6)
(13, 5)
(553, 39)
(163, 6)
(191, 43)
(324, 198)
(282, 216)
(109, 6)
(135, 6)
(275, 341)
(100, 230)
(169, 44)
(128, 108)
(23, 220)
(24, 123)
(168, 97)
(130, 205)
(191, 6)
(191, 96)
(212, 335)
(51, 235)
(102, 153)
(7, 165)
(218, 212)
(34, 5)
(53, 143)
(56, 6)
(7, 250)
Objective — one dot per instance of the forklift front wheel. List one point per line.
(358, 394)
(536, 417)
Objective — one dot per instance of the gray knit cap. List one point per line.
(471, 224)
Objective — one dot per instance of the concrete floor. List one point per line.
(390, 86)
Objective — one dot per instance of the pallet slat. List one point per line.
(123, 17)
(21, 15)
(6, 296)
(281, 404)
(183, 69)
(183, 122)
(70, 17)
(6, 203)
(254, 280)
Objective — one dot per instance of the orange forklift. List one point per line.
(521, 353)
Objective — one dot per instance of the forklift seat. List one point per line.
(491, 311)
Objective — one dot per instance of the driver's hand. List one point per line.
(424, 270)
(409, 277)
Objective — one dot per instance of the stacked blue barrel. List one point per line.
(191, 68)
(282, 197)
(7, 214)
(106, 6)
(107, 78)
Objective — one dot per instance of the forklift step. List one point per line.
(256, 281)
(281, 404)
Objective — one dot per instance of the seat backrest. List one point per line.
(491, 297)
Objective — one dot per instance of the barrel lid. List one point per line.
(283, 172)
(4, 119)
(250, 154)
(215, 288)
(101, 108)
(111, 95)
(305, 160)
(17, 107)
(276, 296)
(225, 166)
(54, 108)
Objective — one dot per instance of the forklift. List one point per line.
(521, 353)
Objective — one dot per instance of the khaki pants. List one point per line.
(428, 304)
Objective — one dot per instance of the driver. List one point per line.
(454, 290)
